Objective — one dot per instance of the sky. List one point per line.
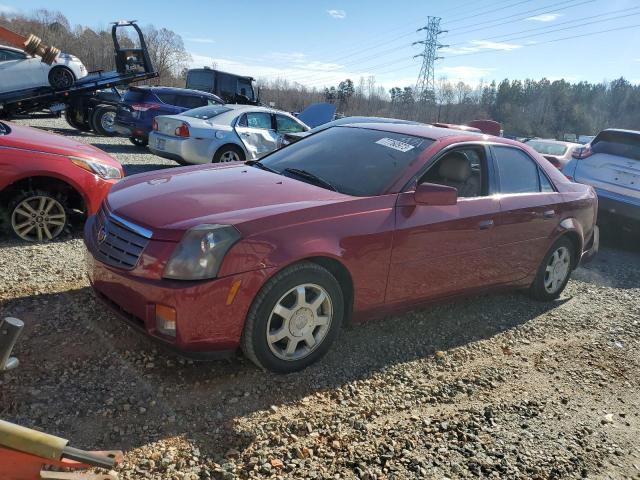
(321, 42)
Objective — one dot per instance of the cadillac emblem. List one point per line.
(102, 235)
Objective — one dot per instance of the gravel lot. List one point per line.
(493, 386)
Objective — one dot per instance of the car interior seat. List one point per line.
(455, 171)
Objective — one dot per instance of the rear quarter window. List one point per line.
(621, 144)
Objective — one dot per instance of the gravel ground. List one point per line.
(492, 386)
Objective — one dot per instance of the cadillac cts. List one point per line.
(273, 256)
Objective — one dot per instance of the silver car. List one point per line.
(556, 151)
(221, 133)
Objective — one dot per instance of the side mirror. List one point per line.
(434, 194)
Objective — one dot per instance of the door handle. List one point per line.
(245, 134)
(549, 214)
(485, 224)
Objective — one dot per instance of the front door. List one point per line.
(257, 132)
(443, 250)
(19, 71)
(530, 211)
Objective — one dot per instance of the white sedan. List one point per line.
(19, 71)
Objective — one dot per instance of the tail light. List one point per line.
(154, 125)
(583, 152)
(182, 130)
(143, 107)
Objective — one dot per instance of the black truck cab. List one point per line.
(230, 87)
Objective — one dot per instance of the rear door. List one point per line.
(614, 165)
(257, 132)
(530, 211)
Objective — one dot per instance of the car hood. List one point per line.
(34, 139)
(168, 203)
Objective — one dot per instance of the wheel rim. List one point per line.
(38, 218)
(230, 156)
(107, 120)
(299, 322)
(62, 78)
(557, 269)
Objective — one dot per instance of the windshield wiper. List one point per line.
(312, 177)
(262, 166)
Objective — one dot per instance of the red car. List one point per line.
(352, 222)
(45, 177)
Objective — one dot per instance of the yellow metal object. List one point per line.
(31, 441)
(233, 291)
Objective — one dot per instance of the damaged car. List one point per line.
(274, 256)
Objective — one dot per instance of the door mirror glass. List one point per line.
(437, 195)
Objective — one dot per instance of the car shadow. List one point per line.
(121, 390)
(122, 148)
(134, 168)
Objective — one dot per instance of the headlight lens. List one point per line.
(102, 170)
(199, 254)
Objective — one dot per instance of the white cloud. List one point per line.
(339, 14)
(200, 40)
(289, 57)
(7, 9)
(545, 17)
(464, 73)
(478, 45)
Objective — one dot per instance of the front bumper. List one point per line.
(209, 316)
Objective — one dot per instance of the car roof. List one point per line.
(621, 130)
(423, 130)
(187, 91)
(551, 140)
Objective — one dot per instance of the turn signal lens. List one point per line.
(166, 320)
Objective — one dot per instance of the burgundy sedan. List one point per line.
(353, 222)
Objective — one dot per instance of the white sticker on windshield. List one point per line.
(395, 144)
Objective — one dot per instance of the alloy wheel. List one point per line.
(61, 78)
(557, 269)
(229, 156)
(38, 218)
(299, 322)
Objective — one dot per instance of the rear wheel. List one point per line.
(61, 78)
(38, 216)
(228, 153)
(294, 319)
(103, 119)
(139, 141)
(554, 272)
(72, 118)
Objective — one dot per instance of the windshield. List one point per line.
(205, 113)
(547, 148)
(356, 161)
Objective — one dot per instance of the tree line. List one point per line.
(95, 46)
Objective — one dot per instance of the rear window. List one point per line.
(134, 96)
(547, 148)
(205, 113)
(621, 144)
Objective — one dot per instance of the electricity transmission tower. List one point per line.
(425, 86)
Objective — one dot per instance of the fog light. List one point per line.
(166, 320)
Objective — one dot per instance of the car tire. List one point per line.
(27, 220)
(229, 153)
(139, 142)
(554, 271)
(267, 334)
(70, 117)
(61, 78)
(102, 120)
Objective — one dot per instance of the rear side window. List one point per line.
(517, 172)
(168, 98)
(621, 144)
(189, 101)
(134, 96)
(259, 120)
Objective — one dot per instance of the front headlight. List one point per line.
(102, 170)
(199, 254)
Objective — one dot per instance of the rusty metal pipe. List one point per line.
(10, 329)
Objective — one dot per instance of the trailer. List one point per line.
(90, 103)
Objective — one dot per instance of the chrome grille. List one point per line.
(118, 243)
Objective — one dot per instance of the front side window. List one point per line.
(355, 161)
(463, 169)
(6, 55)
(517, 172)
(285, 124)
(258, 120)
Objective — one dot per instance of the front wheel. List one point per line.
(554, 271)
(38, 216)
(294, 319)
